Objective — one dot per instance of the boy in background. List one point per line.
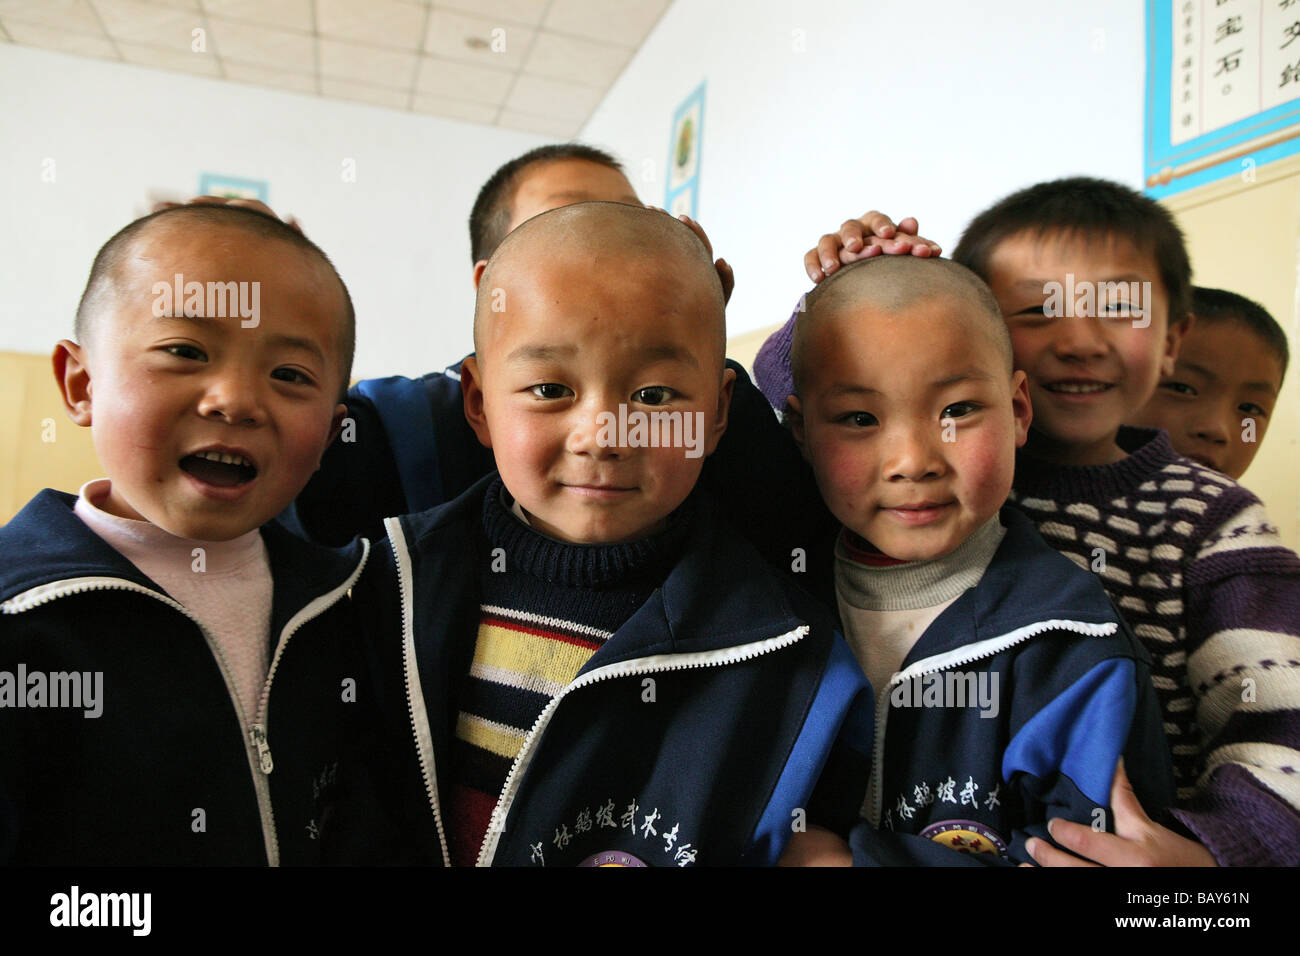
(178, 675)
(1007, 685)
(1218, 401)
(598, 670)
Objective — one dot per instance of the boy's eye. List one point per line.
(858, 419)
(292, 375)
(654, 395)
(1031, 313)
(186, 352)
(1250, 408)
(550, 391)
(1181, 388)
(1121, 310)
(959, 409)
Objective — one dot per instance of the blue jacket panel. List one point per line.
(169, 771)
(696, 735)
(1013, 707)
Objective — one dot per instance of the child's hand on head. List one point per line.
(157, 205)
(871, 234)
(1137, 841)
(816, 847)
(725, 273)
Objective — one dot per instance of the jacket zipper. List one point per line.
(957, 658)
(415, 706)
(420, 719)
(256, 747)
(659, 663)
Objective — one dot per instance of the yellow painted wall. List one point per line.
(1245, 237)
(31, 413)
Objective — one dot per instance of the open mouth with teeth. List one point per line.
(218, 468)
(1078, 388)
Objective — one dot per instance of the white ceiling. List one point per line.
(552, 63)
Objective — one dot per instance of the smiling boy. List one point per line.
(989, 653)
(225, 644)
(1218, 401)
(598, 669)
(1188, 555)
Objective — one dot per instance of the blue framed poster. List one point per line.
(1223, 89)
(683, 187)
(232, 187)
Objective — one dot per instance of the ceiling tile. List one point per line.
(455, 109)
(579, 61)
(169, 58)
(515, 11)
(275, 49)
(289, 14)
(261, 76)
(76, 15)
(547, 126)
(463, 81)
(625, 22)
(46, 38)
(382, 22)
(367, 64)
(363, 93)
(448, 32)
(542, 97)
(149, 23)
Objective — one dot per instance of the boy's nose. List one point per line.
(1079, 336)
(1212, 429)
(594, 432)
(914, 454)
(233, 398)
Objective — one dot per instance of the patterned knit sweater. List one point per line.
(1192, 561)
(547, 607)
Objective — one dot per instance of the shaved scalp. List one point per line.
(892, 284)
(611, 236)
(101, 287)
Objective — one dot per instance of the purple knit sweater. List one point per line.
(1194, 564)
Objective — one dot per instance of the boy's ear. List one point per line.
(336, 426)
(1022, 408)
(478, 271)
(794, 417)
(723, 410)
(471, 389)
(73, 377)
(1174, 341)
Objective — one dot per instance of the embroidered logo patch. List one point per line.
(966, 836)
(611, 858)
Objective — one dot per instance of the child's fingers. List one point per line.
(878, 224)
(851, 235)
(1130, 817)
(1045, 854)
(728, 277)
(696, 228)
(812, 264)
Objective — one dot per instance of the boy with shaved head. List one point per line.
(1007, 686)
(598, 670)
(178, 674)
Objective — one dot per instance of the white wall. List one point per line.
(118, 133)
(928, 109)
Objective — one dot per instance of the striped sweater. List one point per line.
(1192, 561)
(547, 607)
